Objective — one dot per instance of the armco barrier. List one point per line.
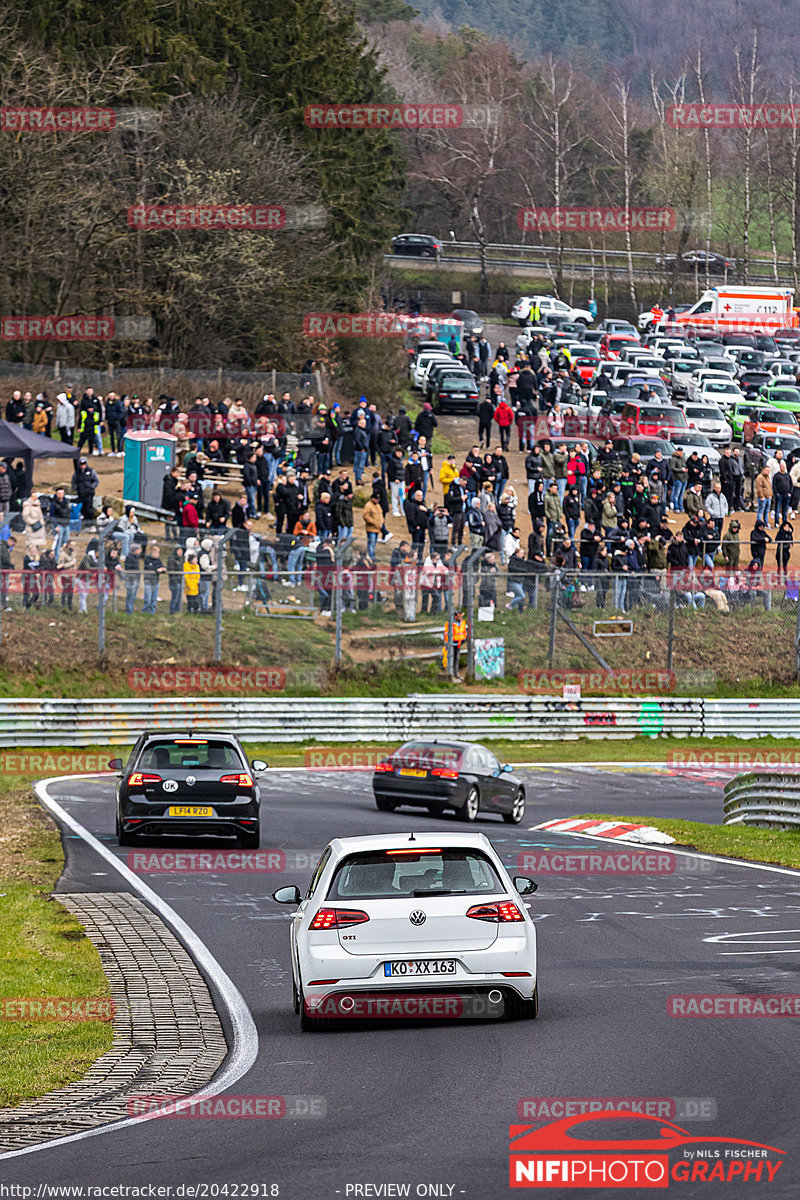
(765, 799)
(751, 718)
(535, 718)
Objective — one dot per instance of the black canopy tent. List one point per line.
(17, 442)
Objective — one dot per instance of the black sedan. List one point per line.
(697, 260)
(188, 784)
(445, 775)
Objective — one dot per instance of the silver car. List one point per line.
(708, 419)
(692, 439)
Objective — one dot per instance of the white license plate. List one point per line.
(419, 966)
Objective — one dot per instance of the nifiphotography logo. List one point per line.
(629, 1150)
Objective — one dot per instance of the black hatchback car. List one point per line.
(420, 244)
(188, 784)
(463, 776)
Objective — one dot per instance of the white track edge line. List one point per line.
(245, 1037)
(659, 848)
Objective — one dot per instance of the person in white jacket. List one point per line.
(65, 417)
(717, 506)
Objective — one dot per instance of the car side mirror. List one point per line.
(524, 885)
(115, 764)
(507, 767)
(288, 895)
(259, 764)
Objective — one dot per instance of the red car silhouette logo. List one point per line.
(573, 1153)
(665, 1136)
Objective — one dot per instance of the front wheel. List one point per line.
(517, 809)
(385, 805)
(471, 806)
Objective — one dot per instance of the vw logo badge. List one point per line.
(417, 917)
(170, 785)
(190, 779)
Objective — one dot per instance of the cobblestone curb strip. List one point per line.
(167, 1035)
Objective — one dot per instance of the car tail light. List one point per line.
(499, 912)
(338, 918)
(137, 779)
(384, 766)
(444, 773)
(243, 781)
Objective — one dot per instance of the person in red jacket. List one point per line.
(504, 416)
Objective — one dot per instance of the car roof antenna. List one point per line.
(412, 838)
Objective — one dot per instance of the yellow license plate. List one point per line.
(183, 810)
(413, 771)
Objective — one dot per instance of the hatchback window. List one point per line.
(190, 752)
(398, 874)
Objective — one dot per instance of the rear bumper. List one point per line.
(440, 795)
(183, 826)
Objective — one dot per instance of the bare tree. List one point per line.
(551, 112)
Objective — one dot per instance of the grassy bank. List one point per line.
(43, 952)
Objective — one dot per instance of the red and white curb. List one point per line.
(618, 830)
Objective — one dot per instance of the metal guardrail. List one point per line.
(769, 801)
(583, 260)
(119, 722)
(59, 722)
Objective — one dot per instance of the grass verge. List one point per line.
(777, 847)
(43, 952)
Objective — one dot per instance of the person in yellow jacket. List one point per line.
(191, 582)
(447, 472)
(459, 638)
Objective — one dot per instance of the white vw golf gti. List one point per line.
(402, 915)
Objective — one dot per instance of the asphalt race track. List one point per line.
(430, 1102)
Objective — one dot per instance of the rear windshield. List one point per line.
(456, 383)
(427, 755)
(671, 416)
(396, 874)
(648, 446)
(166, 754)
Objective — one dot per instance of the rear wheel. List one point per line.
(517, 809)
(249, 840)
(125, 839)
(523, 1010)
(385, 805)
(471, 806)
(309, 1024)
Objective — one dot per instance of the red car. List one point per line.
(643, 419)
(612, 343)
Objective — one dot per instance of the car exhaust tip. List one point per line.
(347, 1004)
(495, 996)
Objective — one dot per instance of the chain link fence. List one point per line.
(305, 615)
(153, 381)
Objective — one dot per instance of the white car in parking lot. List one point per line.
(419, 371)
(697, 381)
(548, 306)
(411, 915)
(708, 419)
